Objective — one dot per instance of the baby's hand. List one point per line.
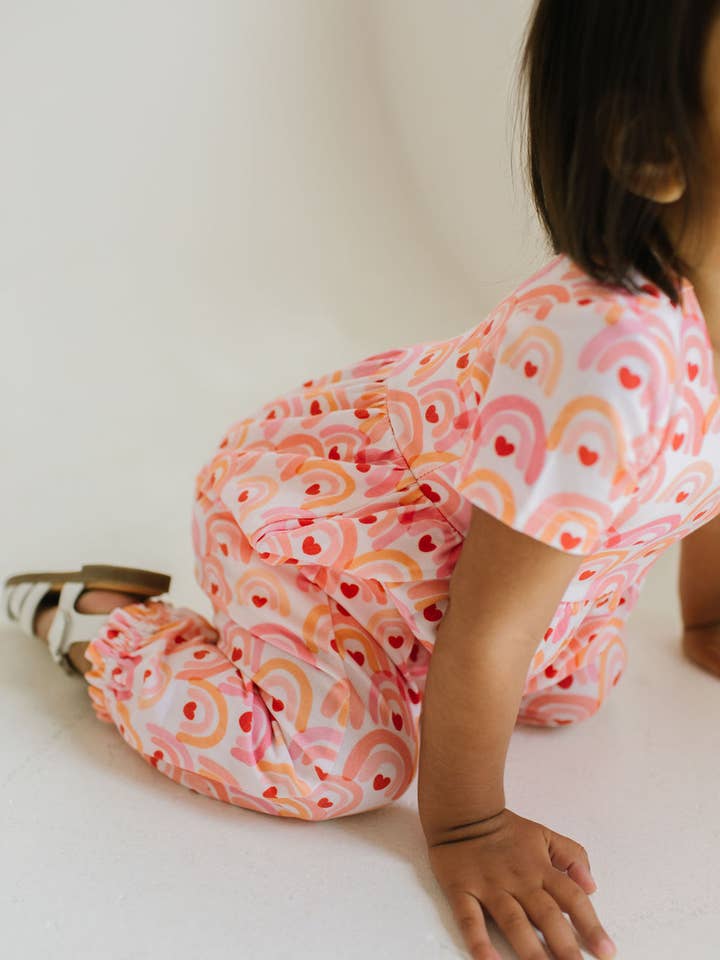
(515, 868)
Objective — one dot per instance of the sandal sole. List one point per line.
(102, 577)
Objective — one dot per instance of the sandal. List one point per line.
(24, 593)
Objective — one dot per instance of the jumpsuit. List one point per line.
(326, 526)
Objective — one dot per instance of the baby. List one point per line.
(408, 556)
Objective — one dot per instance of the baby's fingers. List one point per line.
(469, 917)
(571, 899)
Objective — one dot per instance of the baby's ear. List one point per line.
(661, 179)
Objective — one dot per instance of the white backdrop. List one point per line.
(204, 204)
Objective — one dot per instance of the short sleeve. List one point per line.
(570, 418)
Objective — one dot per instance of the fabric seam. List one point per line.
(410, 469)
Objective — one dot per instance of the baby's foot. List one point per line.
(90, 601)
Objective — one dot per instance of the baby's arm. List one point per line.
(504, 591)
(699, 588)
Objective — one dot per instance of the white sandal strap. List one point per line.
(69, 626)
(15, 599)
(28, 602)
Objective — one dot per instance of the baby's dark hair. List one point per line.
(620, 78)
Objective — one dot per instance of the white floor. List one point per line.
(104, 857)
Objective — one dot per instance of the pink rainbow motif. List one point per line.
(278, 674)
(523, 416)
(479, 486)
(255, 586)
(541, 340)
(319, 745)
(377, 749)
(645, 532)
(568, 511)
(712, 420)
(622, 352)
(386, 703)
(174, 750)
(698, 476)
(693, 416)
(611, 428)
(697, 351)
(541, 299)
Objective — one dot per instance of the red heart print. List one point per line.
(223, 547)
(462, 361)
(587, 457)
(681, 496)
(312, 489)
(362, 413)
(349, 589)
(270, 792)
(277, 705)
(503, 448)
(311, 546)
(363, 467)
(315, 408)
(568, 541)
(259, 601)
(395, 641)
(585, 301)
(380, 782)
(488, 328)
(698, 515)
(550, 671)
(304, 521)
(333, 454)
(432, 614)
(199, 654)
(621, 602)
(530, 369)
(414, 695)
(189, 710)
(333, 644)
(148, 673)
(628, 379)
(371, 518)
(677, 440)
(397, 721)
(566, 682)
(547, 633)
(431, 414)
(271, 415)
(308, 383)
(652, 290)
(324, 802)
(245, 721)
(242, 497)
(426, 543)
(586, 574)
(236, 654)
(214, 588)
(692, 369)
(358, 656)
(321, 773)
(429, 492)
(461, 420)
(111, 634)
